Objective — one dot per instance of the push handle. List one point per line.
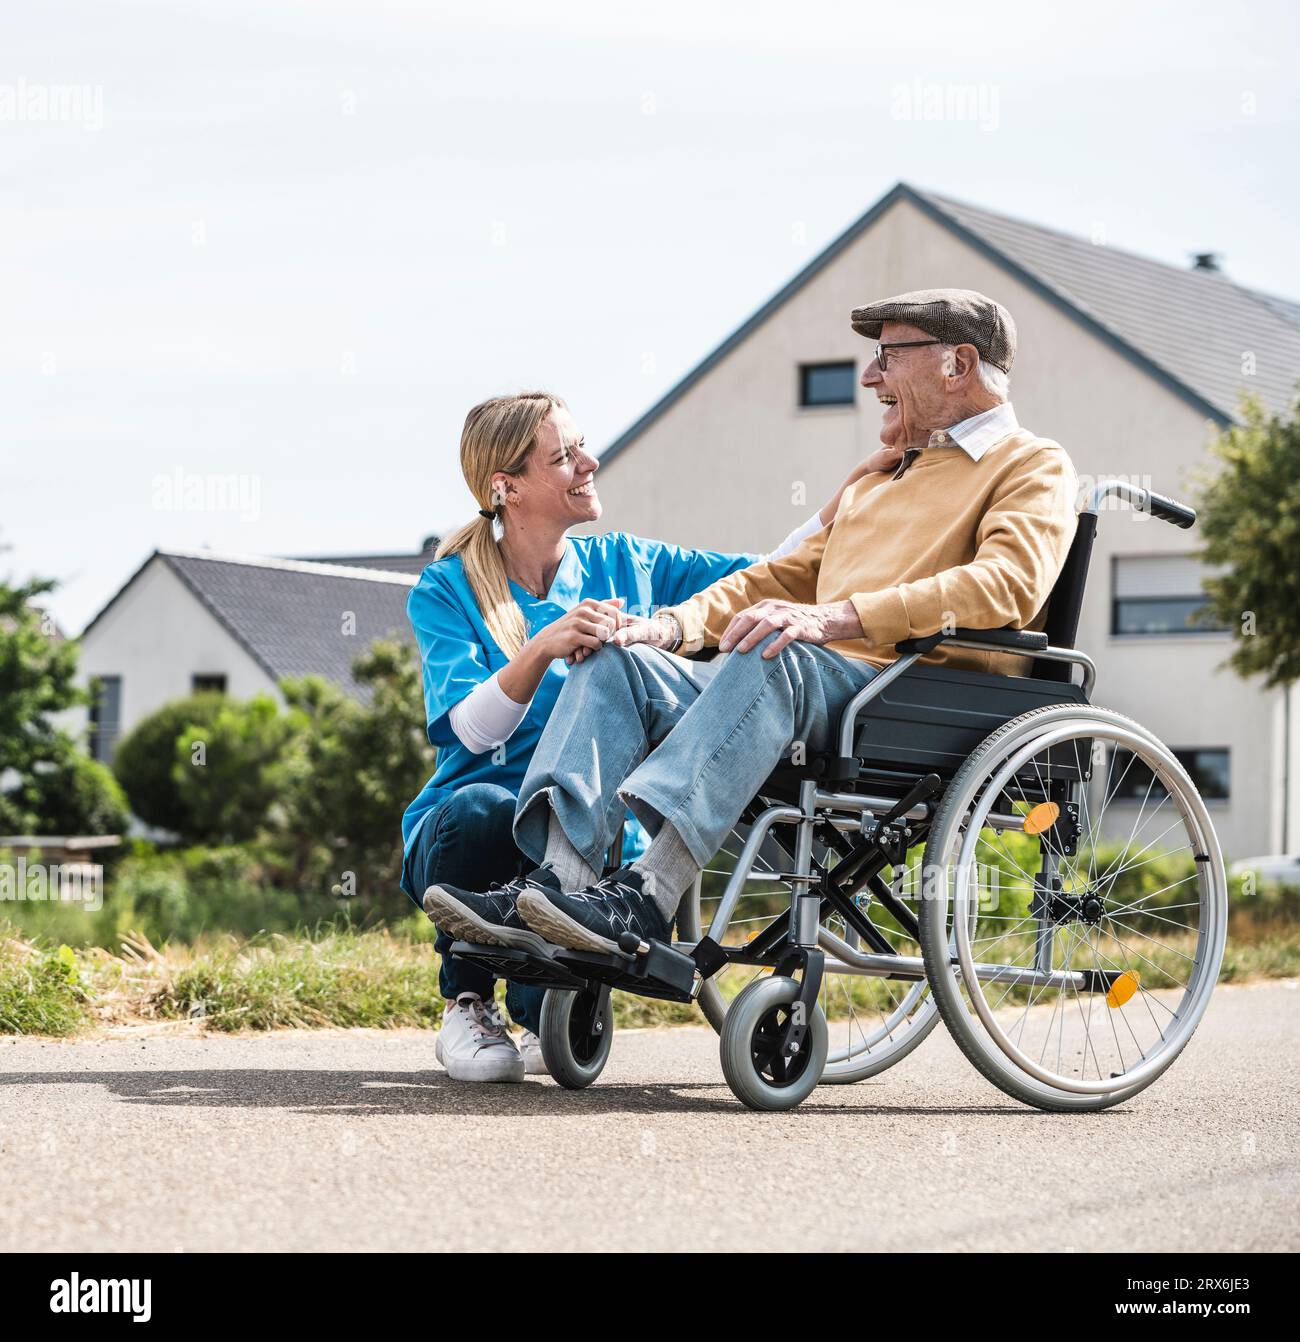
(1170, 510)
(1145, 500)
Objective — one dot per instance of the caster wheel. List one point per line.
(577, 1030)
(757, 1072)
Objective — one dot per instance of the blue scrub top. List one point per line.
(457, 651)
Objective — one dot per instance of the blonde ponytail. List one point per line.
(498, 436)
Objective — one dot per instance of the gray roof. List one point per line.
(414, 564)
(391, 563)
(289, 615)
(1187, 329)
(1197, 325)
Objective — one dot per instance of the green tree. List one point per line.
(354, 769)
(144, 759)
(47, 786)
(320, 788)
(78, 795)
(1250, 519)
(228, 773)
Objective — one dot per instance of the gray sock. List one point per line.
(666, 868)
(570, 866)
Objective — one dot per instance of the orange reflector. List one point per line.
(1123, 988)
(1042, 817)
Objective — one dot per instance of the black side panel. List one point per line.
(933, 717)
(1066, 602)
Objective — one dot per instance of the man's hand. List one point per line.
(808, 624)
(657, 632)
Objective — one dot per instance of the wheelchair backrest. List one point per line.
(1066, 601)
(1065, 604)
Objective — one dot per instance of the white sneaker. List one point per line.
(531, 1047)
(474, 1044)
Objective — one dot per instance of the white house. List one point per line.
(1131, 364)
(193, 620)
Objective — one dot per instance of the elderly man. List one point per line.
(971, 529)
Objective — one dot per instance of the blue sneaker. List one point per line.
(594, 918)
(490, 918)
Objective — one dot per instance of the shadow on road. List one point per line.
(383, 1093)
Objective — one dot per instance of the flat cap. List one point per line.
(955, 316)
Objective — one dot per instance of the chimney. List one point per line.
(1207, 261)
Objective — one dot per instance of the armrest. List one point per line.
(1013, 640)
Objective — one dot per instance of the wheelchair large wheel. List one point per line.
(872, 1023)
(1075, 910)
(576, 1032)
(758, 1071)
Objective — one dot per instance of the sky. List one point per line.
(259, 257)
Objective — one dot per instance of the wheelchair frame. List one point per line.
(868, 806)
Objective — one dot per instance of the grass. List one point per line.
(1260, 951)
(380, 979)
(341, 979)
(41, 991)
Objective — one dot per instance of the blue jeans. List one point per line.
(466, 841)
(687, 742)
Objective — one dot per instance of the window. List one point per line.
(1128, 778)
(105, 716)
(1157, 594)
(827, 383)
(216, 681)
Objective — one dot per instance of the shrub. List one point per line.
(227, 772)
(353, 770)
(185, 894)
(78, 795)
(144, 758)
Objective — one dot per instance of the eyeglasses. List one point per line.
(883, 359)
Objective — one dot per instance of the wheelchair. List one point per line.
(996, 852)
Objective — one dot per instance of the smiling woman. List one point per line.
(510, 602)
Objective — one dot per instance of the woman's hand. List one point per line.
(882, 459)
(575, 635)
(581, 631)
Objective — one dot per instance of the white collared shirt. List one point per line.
(978, 433)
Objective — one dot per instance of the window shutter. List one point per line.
(1158, 575)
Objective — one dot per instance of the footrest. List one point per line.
(505, 962)
(661, 972)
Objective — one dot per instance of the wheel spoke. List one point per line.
(1032, 906)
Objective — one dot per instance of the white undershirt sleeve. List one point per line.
(486, 716)
(797, 537)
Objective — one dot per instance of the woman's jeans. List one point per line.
(687, 742)
(466, 841)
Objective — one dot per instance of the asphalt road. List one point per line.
(355, 1140)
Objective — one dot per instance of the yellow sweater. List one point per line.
(954, 542)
